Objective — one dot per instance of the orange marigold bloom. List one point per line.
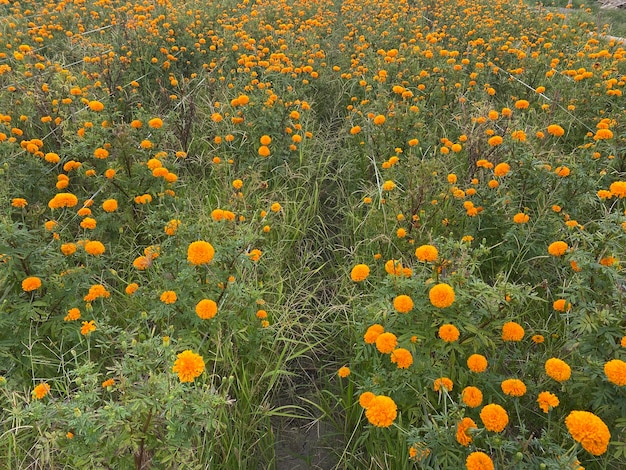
(501, 169)
(472, 396)
(172, 226)
(206, 309)
(547, 401)
(393, 267)
(63, 200)
(264, 151)
(365, 399)
(379, 119)
(494, 417)
(589, 430)
(513, 387)
(522, 104)
(618, 189)
(110, 205)
(95, 292)
(372, 333)
(403, 303)
(477, 363)
(615, 371)
(441, 295)
(512, 331)
(449, 333)
(41, 391)
(343, 372)
(360, 272)
(88, 223)
(463, 436)
(558, 248)
(19, 202)
(521, 218)
(101, 153)
(555, 130)
(558, 369)
(381, 411)
(386, 342)
(537, 339)
(108, 383)
(426, 253)
(402, 357)
(603, 134)
(188, 366)
(88, 327)
(155, 123)
(94, 248)
(200, 252)
(96, 106)
(479, 461)
(561, 305)
(495, 141)
(31, 283)
(72, 315)
(131, 288)
(168, 297)
(444, 382)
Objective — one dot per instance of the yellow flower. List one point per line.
(558, 369)
(512, 331)
(615, 371)
(96, 106)
(521, 218)
(388, 185)
(382, 411)
(108, 383)
(110, 205)
(561, 305)
(168, 297)
(472, 396)
(464, 437)
(555, 130)
(88, 327)
(131, 288)
(19, 202)
(31, 283)
(360, 272)
(403, 303)
(343, 372)
(206, 309)
(426, 253)
(479, 461)
(547, 401)
(495, 141)
(94, 248)
(618, 188)
(513, 387)
(95, 292)
(200, 252)
(402, 357)
(386, 342)
(365, 399)
(558, 248)
(41, 391)
(501, 169)
(72, 314)
(589, 430)
(188, 366)
(155, 123)
(379, 120)
(449, 333)
(477, 363)
(441, 295)
(494, 417)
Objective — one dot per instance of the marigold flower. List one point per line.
(513, 387)
(426, 253)
(381, 411)
(108, 383)
(276, 207)
(477, 363)
(444, 382)
(96, 106)
(88, 223)
(403, 303)
(95, 292)
(31, 283)
(264, 151)
(547, 401)
(589, 430)
(561, 305)
(101, 153)
(463, 436)
(494, 417)
(360, 272)
(618, 189)
(379, 120)
(558, 248)
(41, 391)
(603, 134)
(537, 339)
(479, 461)
(62, 200)
(386, 342)
(555, 130)
(472, 396)
(372, 333)
(615, 371)
(522, 104)
(200, 252)
(110, 205)
(393, 267)
(171, 227)
(365, 399)
(343, 372)
(94, 248)
(441, 295)
(168, 297)
(495, 141)
(402, 357)
(19, 202)
(72, 315)
(389, 185)
(501, 169)
(155, 123)
(131, 288)
(206, 309)
(188, 366)
(449, 333)
(558, 369)
(521, 218)
(88, 327)
(512, 331)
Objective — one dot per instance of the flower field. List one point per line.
(404, 220)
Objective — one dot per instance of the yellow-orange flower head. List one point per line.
(494, 417)
(478, 461)
(403, 303)
(589, 430)
(360, 272)
(558, 369)
(382, 411)
(188, 366)
(615, 371)
(441, 295)
(426, 253)
(200, 252)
